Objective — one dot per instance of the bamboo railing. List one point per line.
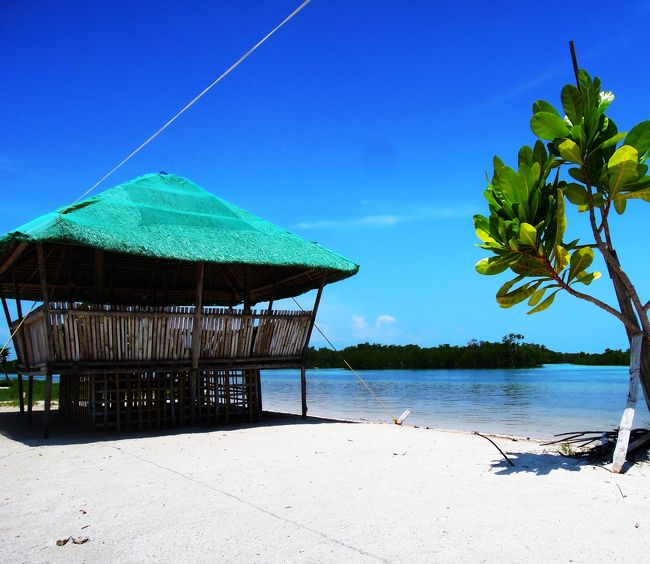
(127, 334)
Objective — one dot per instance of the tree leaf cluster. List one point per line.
(577, 160)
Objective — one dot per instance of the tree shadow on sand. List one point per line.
(540, 464)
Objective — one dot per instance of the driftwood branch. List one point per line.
(497, 447)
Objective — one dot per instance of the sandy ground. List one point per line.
(315, 491)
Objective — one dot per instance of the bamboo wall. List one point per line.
(123, 334)
(145, 399)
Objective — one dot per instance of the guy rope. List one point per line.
(397, 420)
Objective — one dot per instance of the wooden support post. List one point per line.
(20, 379)
(628, 415)
(258, 380)
(30, 399)
(5, 307)
(21, 399)
(303, 390)
(23, 341)
(313, 317)
(196, 340)
(48, 331)
(48, 402)
(303, 369)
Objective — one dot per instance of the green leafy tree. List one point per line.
(579, 159)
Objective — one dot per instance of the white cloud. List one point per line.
(381, 221)
(381, 329)
(384, 320)
(359, 323)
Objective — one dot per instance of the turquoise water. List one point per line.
(535, 402)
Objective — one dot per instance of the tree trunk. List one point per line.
(627, 310)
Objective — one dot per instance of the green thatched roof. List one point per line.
(167, 216)
(138, 243)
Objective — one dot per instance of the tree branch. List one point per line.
(606, 250)
(586, 297)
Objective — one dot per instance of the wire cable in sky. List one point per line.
(196, 98)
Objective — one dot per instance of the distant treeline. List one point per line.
(511, 352)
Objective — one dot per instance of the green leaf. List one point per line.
(528, 266)
(570, 151)
(545, 304)
(619, 205)
(639, 137)
(577, 174)
(588, 92)
(578, 134)
(482, 226)
(544, 106)
(525, 156)
(540, 155)
(517, 295)
(561, 259)
(612, 140)
(509, 284)
(548, 126)
(561, 218)
(576, 194)
(587, 278)
(492, 265)
(621, 168)
(580, 261)
(536, 296)
(643, 194)
(572, 103)
(528, 235)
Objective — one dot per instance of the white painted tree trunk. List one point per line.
(624, 429)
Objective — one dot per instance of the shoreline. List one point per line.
(272, 415)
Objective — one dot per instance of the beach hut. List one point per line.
(147, 295)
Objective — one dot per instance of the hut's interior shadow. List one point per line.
(13, 426)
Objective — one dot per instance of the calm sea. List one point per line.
(535, 402)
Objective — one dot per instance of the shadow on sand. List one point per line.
(540, 464)
(13, 426)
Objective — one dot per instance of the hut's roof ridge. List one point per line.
(167, 216)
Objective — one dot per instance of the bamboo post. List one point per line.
(628, 415)
(20, 376)
(303, 390)
(48, 402)
(23, 340)
(196, 340)
(21, 399)
(303, 368)
(48, 331)
(30, 398)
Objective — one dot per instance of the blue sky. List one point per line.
(365, 126)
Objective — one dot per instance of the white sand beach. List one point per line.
(291, 490)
